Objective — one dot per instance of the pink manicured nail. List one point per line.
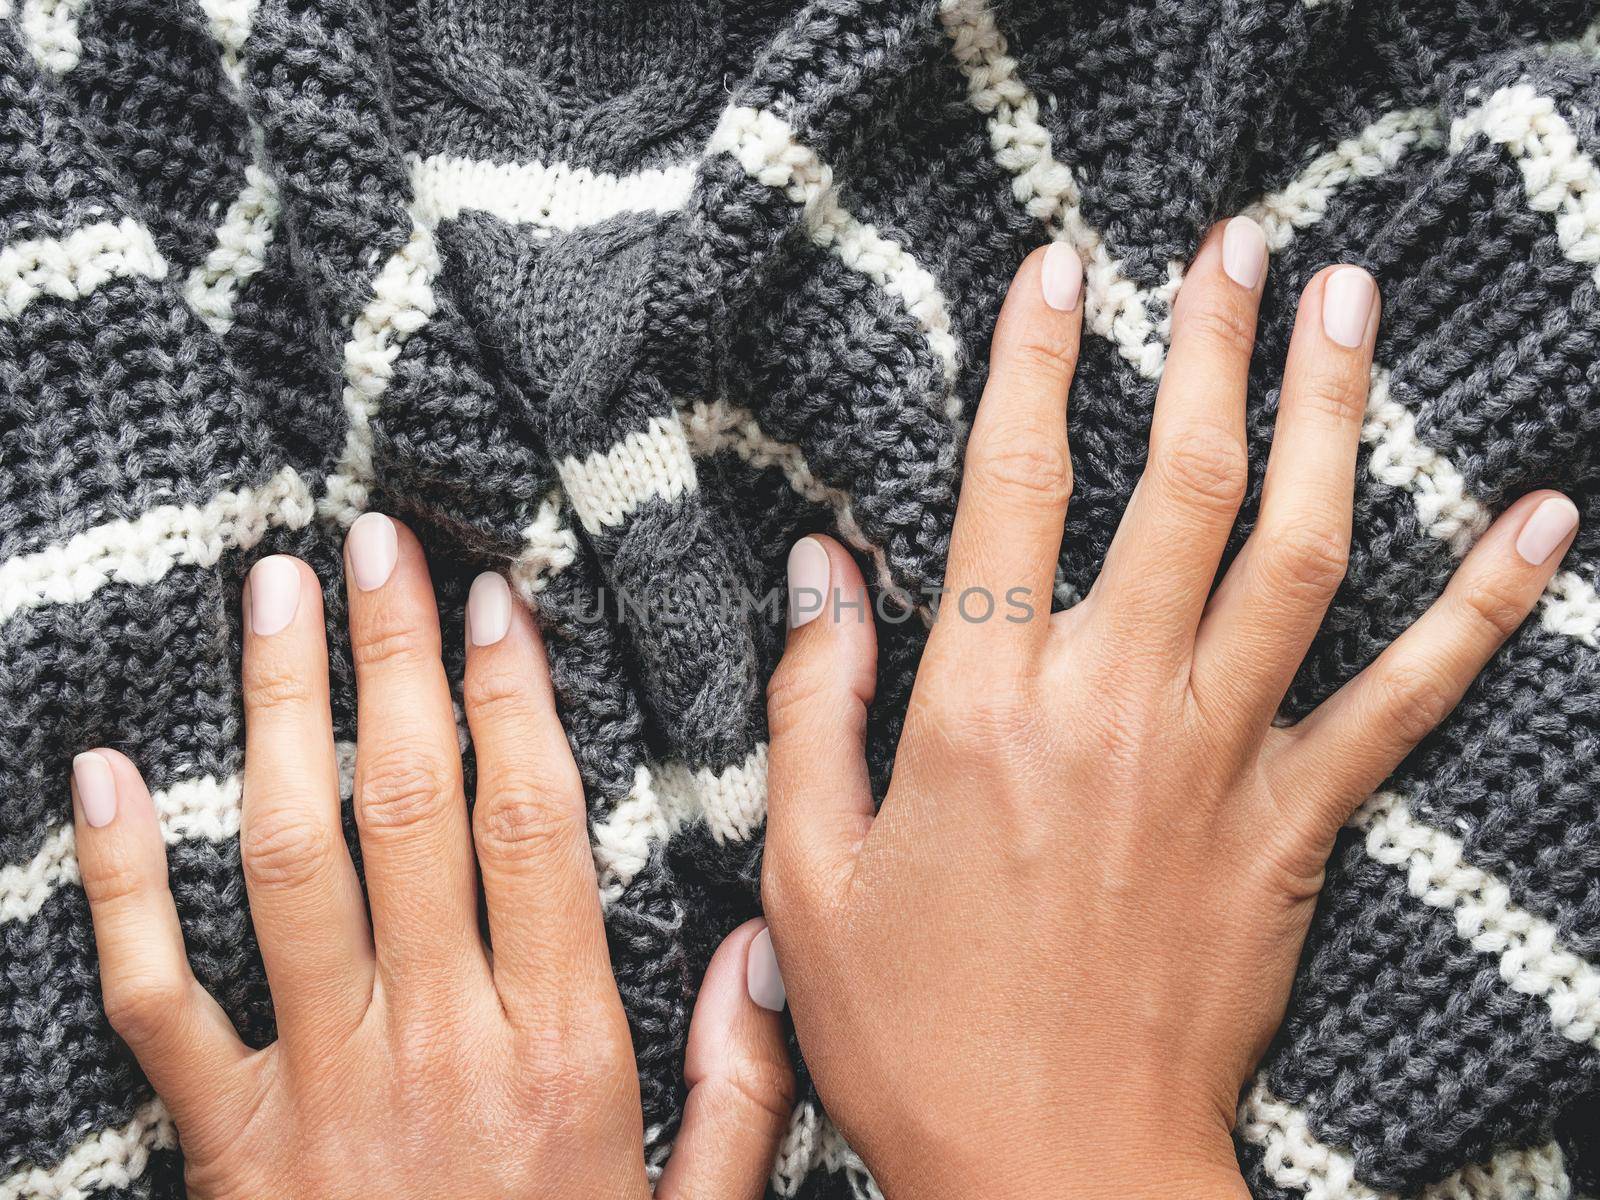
(97, 789)
(1546, 528)
(1061, 278)
(1244, 252)
(488, 609)
(1347, 300)
(808, 581)
(274, 594)
(374, 548)
(761, 978)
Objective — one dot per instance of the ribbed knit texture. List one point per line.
(619, 296)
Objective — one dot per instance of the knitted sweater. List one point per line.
(623, 296)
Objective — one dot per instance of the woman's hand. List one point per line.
(1047, 964)
(410, 1061)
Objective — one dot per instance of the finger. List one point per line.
(1164, 557)
(741, 1086)
(1262, 618)
(1345, 749)
(410, 807)
(530, 823)
(182, 1039)
(305, 899)
(1018, 473)
(819, 798)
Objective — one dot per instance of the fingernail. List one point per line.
(761, 978)
(488, 609)
(1244, 252)
(1546, 528)
(1062, 277)
(97, 789)
(374, 547)
(808, 581)
(1347, 305)
(274, 594)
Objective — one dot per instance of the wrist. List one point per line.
(1132, 1165)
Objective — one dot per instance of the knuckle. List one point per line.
(588, 1058)
(986, 724)
(1414, 699)
(529, 819)
(283, 849)
(114, 879)
(1341, 397)
(142, 1007)
(1045, 358)
(386, 642)
(783, 897)
(1308, 559)
(1208, 466)
(497, 692)
(613, 1057)
(1024, 462)
(766, 1086)
(1494, 606)
(1224, 326)
(400, 790)
(793, 694)
(275, 688)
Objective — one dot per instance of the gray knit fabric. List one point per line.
(733, 282)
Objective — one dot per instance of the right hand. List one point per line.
(1046, 966)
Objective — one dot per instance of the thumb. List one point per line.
(741, 1086)
(819, 803)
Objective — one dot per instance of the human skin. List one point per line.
(410, 1062)
(1043, 969)
(1048, 963)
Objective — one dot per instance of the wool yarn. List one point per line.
(626, 295)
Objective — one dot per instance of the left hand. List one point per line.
(411, 1061)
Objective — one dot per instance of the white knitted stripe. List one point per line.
(709, 427)
(73, 266)
(716, 425)
(1559, 177)
(1400, 459)
(1114, 306)
(1532, 959)
(766, 147)
(548, 547)
(623, 838)
(241, 251)
(49, 31)
(666, 797)
(551, 196)
(248, 227)
(143, 550)
(106, 1159)
(402, 303)
(1588, 42)
(652, 463)
(1374, 152)
(205, 809)
(813, 1141)
(230, 22)
(732, 801)
(1295, 1158)
(1570, 605)
(402, 291)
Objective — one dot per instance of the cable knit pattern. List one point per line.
(623, 298)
